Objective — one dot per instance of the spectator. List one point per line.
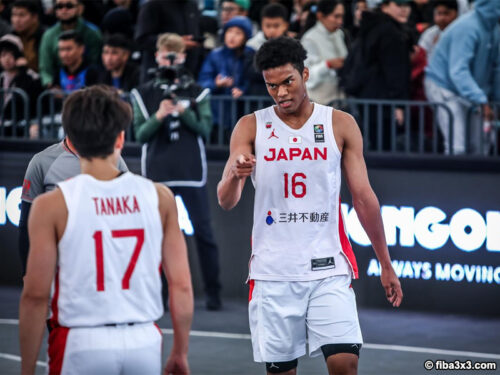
(5, 28)
(378, 66)
(68, 14)
(359, 7)
(172, 117)
(176, 16)
(75, 72)
(17, 75)
(225, 69)
(119, 72)
(273, 22)
(299, 24)
(233, 8)
(465, 70)
(421, 15)
(118, 21)
(326, 51)
(445, 12)
(26, 25)
(132, 6)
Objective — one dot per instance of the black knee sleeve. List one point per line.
(331, 349)
(278, 367)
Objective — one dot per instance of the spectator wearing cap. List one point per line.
(223, 71)
(75, 71)
(26, 25)
(118, 71)
(16, 74)
(273, 23)
(233, 8)
(226, 69)
(68, 13)
(464, 70)
(326, 51)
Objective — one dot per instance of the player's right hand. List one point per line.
(177, 365)
(244, 165)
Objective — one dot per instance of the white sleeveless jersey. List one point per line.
(298, 232)
(110, 253)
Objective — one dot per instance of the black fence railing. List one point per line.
(14, 113)
(409, 127)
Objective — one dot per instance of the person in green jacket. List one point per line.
(68, 13)
(172, 117)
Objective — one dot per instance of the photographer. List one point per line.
(172, 116)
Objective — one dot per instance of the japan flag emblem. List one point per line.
(294, 139)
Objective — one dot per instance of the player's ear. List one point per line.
(70, 145)
(120, 140)
(305, 74)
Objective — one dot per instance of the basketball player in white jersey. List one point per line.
(302, 262)
(99, 240)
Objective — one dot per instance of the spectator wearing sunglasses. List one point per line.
(68, 14)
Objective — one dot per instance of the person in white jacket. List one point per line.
(326, 51)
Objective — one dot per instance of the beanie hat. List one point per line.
(242, 22)
(243, 4)
(13, 43)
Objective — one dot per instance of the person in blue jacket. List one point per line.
(226, 70)
(464, 70)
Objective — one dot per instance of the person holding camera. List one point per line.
(172, 117)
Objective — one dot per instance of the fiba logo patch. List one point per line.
(269, 218)
(319, 133)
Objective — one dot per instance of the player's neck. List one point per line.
(300, 116)
(100, 169)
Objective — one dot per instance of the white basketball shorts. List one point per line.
(285, 315)
(122, 349)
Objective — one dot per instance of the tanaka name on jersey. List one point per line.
(116, 205)
(296, 153)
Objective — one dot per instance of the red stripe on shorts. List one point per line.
(346, 245)
(57, 344)
(251, 283)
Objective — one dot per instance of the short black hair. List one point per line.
(450, 4)
(274, 10)
(327, 6)
(71, 35)
(118, 40)
(279, 52)
(93, 117)
(30, 5)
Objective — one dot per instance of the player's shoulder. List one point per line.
(342, 118)
(47, 155)
(49, 202)
(163, 191)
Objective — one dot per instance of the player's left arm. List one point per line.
(40, 272)
(176, 267)
(365, 201)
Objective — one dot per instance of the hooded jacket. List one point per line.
(385, 64)
(466, 60)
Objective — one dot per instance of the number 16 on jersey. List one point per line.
(295, 185)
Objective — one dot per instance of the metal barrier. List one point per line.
(482, 135)
(49, 107)
(417, 133)
(48, 112)
(226, 112)
(14, 126)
